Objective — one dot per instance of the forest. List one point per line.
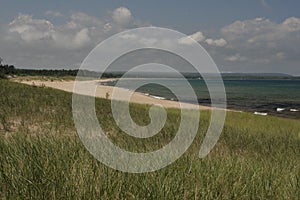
(8, 71)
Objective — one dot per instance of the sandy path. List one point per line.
(102, 92)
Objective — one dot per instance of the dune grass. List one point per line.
(41, 156)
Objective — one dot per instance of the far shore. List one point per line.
(104, 91)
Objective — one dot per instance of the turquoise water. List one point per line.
(249, 95)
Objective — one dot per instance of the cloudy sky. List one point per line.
(241, 36)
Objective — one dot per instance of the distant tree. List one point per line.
(1, 60)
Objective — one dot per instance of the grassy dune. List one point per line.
(41, 156)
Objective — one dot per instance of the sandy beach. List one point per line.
(104, 91)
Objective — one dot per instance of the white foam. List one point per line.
(280, 109)
(294, 110)
(157, 97)
(260, 113)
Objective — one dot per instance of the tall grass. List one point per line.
(41, 156)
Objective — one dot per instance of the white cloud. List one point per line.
(30, 29)
(218, 42)
(107, 27)
(82, 38)
(82, 20)
(78, 32)
(30, 41)
(198, 36)
(263, 41)
(121, 15)
(260, 28)
(236, 57)
(247, 28)
(292, 24)
(38, 32)
(53, 13)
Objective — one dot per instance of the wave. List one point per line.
(280, 109)
(260, 113)
(157, 97)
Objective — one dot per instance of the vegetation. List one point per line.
(10, 70)
(257, 157)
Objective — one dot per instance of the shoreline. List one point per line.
(104, 91)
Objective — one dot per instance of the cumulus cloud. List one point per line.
(78, 31)
(291, 24)
(42, 32)
(31, 41)
(53, 13)
(82, 37)
(263, 41)
(236, 57)
(261, 29)
(218, 42)
(247, 28)
(82, 20)
(198, 36)
(30, 29)
(121, 15)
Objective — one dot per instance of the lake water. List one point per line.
(275, 97)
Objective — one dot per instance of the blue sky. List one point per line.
(268, 41)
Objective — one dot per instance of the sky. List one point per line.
(240, 35)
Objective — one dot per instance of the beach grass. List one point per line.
(41, 156)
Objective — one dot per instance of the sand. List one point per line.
(104, 91)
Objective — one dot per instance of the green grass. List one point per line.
(41, 156)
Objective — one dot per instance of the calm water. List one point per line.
(249, 95)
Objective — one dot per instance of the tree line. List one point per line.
(7, 71)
